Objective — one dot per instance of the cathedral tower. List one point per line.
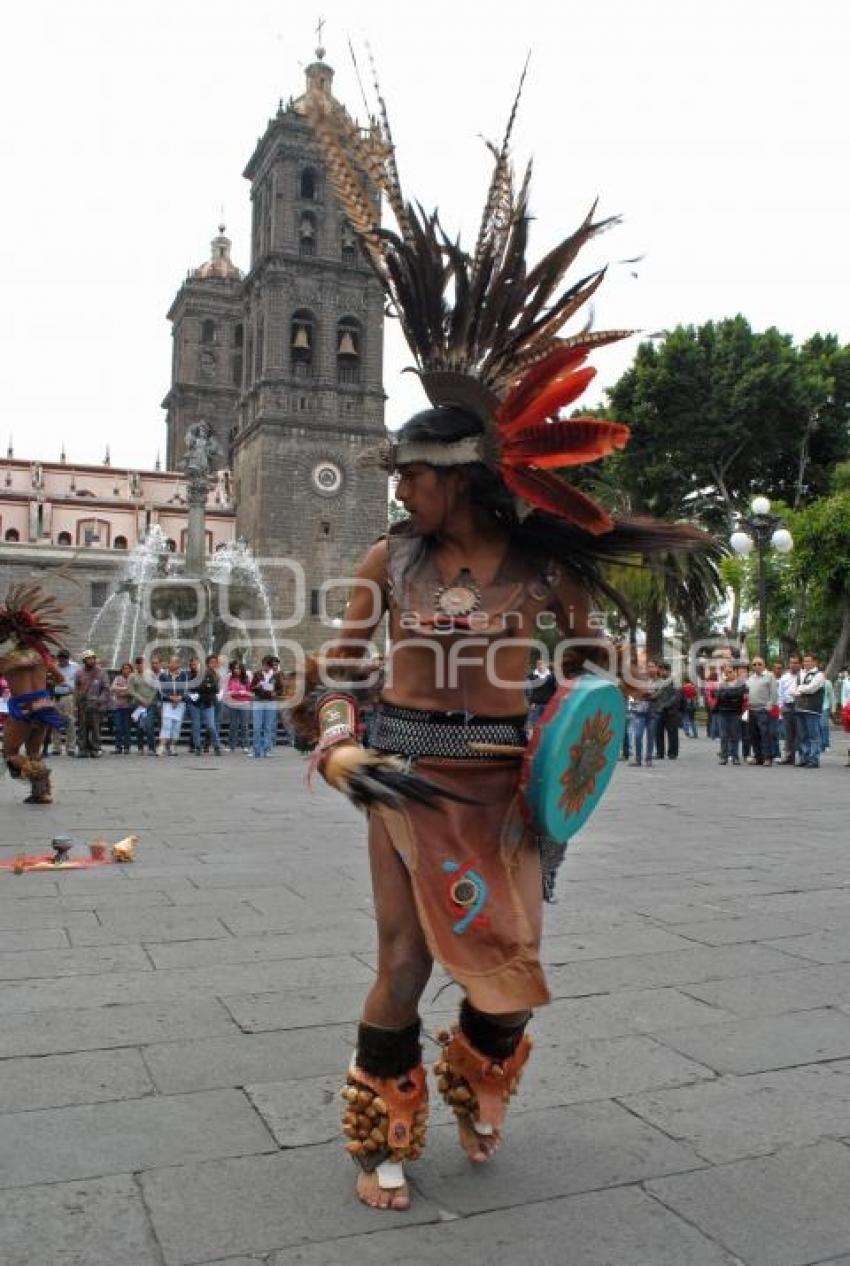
(312, 397)
(206, 370)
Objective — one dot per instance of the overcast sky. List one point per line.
(718, 131)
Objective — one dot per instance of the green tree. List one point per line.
(821, 568)
(719, 410)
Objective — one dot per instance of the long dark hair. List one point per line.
(543, 536)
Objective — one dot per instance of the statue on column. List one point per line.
(202, 448)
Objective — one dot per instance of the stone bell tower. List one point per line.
(312, 398)
(206, 367)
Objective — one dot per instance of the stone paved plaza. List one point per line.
(173, 1033)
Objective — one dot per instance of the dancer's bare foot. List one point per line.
(378, 1197)
(479, 1148)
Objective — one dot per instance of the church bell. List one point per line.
(301, 339)
(347, 346)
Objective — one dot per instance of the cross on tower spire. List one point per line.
(320, 50)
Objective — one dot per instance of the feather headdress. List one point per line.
(483, 326)
(31, 618)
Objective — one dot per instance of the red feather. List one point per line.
(560, 393)
(553, 366)
(565, 443)
(545, 491)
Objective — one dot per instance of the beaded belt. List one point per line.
(413, 732)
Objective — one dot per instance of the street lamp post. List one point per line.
(760, 529)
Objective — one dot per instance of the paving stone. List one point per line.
(248, 949)
(823, 947)
(744, 928)
(32, 938)
(219, 980)
(749, 1046)
(611, 1228)
(167, 924)
(235, 1261)
(109, 900)
(50, 1032)
(48, 964)
(547, 1154)
(736, 1117)
(260, 1203)
(801, 989)
(616, 1014)
(97, 1222)
(302, 1112)
(296, 1008)
(695, 964)
(611, 943)
(104, 1138)
(576, 1072)
(21, 919)
(53, 1081)
(783, 1210)
(247, 1058)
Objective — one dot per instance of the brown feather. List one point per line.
(545, 491)
(572, 443)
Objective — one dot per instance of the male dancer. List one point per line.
(29, 620)
(495, 550)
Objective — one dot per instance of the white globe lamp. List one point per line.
(741, 543)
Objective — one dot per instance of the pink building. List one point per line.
(76, 507)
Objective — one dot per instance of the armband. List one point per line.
(338, 720)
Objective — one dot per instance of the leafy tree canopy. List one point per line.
(719, 411)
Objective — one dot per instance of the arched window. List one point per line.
(93, 532)
(348, 244)
(12, 534)
(120, 542)
(64, 538)
(236, 370)
(309, 184)
(238, 335)
(302, 339)
(348, 350)
(307, 233)
(208, 331)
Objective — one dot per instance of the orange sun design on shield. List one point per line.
(587, 761)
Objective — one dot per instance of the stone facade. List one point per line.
(69, 528)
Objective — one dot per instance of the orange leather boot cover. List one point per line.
(474, 1085)
(386, 1118)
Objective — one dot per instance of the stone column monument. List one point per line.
(202, 449)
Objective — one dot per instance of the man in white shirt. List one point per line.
(808, 703)
(787, 684)
(63, 693)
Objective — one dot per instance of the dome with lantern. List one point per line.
(219, 267)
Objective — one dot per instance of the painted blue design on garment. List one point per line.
(477, 906)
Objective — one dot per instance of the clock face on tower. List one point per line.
(326, 478)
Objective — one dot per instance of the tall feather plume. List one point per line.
(391, 182)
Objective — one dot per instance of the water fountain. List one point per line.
(211, 605)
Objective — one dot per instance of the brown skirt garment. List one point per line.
(475, 874)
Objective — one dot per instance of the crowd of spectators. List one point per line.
(160, 707)
(781, 714)
(758, 715)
